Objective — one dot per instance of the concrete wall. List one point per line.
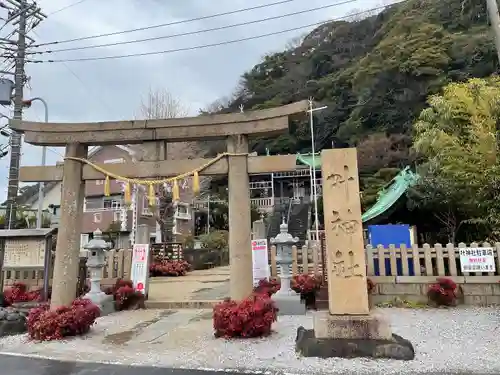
(473, 290)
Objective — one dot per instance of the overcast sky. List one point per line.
(112, 89)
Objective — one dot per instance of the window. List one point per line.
(112, 204)
(182, 212)
(116, 216)
(97, 217)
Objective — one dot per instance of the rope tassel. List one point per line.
(127, 195)
(196, 183)
(175, 191)
(107, 187)
(151, 195)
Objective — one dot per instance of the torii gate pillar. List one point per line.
(68, 237)
(240, 223)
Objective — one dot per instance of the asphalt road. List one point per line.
(13, 365)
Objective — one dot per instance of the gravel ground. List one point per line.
(446, 341)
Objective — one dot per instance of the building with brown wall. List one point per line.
(110, 212)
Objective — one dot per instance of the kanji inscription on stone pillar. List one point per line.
(345, 253)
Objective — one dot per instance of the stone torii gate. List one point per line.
(236, 128)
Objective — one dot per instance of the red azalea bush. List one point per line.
(268, 287)
(125, 296)
(169, 268)
(18, 292)
(76, 319)
(442, 293)
(370, 285)
(305, 284)
(251, 317)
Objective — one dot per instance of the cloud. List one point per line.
(112, 89)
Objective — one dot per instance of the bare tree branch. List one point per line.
(160, 103)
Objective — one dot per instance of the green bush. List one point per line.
(218, 241)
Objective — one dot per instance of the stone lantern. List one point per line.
(286, 299)
(96, 261)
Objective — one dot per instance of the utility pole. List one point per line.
(20, 13)
(15, 138)
(24, 15)
(313, 166)
(492, 7)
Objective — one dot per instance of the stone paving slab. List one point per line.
(211, 284)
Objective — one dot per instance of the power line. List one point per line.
(241, 10)
(66, 7)
(91, 94)
(227, 42)
(195, 32)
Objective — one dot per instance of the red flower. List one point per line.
(124, 295)
(442, 293)
(268, 287)
(251, 317)
(44, 324)
(305, 283)
(18, 293)
(169, 268)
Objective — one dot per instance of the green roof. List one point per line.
(386, 197)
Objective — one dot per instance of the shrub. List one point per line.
(125, 296)
(169, 268)
(76, 319)
(268, 287)
(217, 240)
(442, 293)
(188, 241)
(251, 317)
(305, 284)
(18, 292)
(370, 285)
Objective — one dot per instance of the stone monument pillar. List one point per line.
(348, 329)
(287, 301)
(97, 248)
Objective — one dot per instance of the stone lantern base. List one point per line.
(289, 303)
(351, 336)
(105, 302)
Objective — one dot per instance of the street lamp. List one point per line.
(315, 193)
(27, 103)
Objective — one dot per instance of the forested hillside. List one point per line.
(375, 75)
